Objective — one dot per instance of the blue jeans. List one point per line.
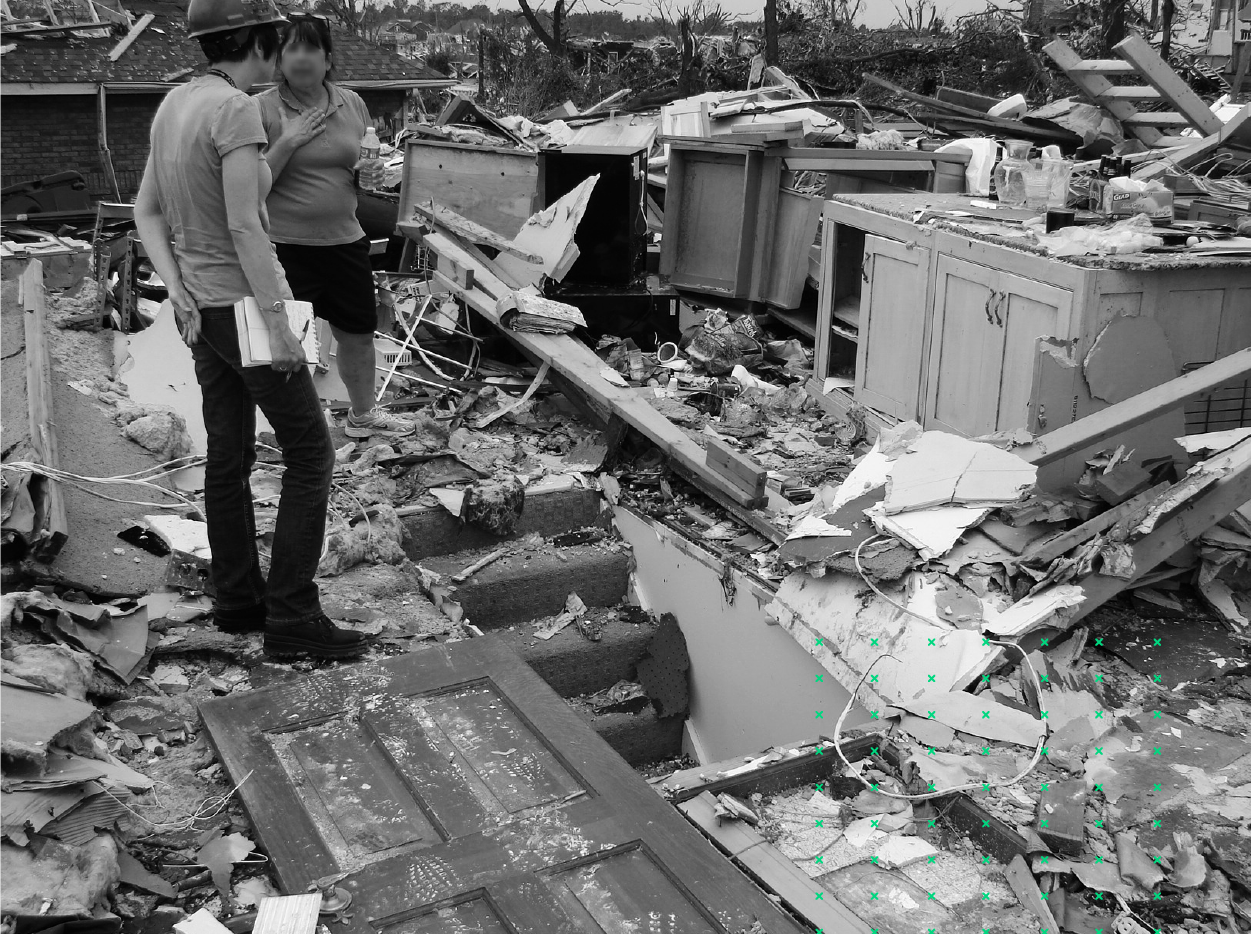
(231, 394)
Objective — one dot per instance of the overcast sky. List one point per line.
(874, 12)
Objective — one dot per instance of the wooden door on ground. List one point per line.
(893, 303)
(457, 792)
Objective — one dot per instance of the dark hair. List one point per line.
(237, 45)
(306, 29)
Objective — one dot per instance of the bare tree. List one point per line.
(359, 17)
(917, 15)
(553, 38)
(845, 12)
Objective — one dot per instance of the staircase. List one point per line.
(1151, 83)
(579, 553)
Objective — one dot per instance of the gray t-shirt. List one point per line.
(313, 201)
(195, 126)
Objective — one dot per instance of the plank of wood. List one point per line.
(120, 49)
(740, 470)
(472, 232)
(1088, 76)
(1047, 550)
(1135, 50)
(578, 369)
(51, 529)
(1229, 492)
(779, 874)
(1016, 126)
(1235, 132)
(1062, 815)
(1027, 892)
(1143, 407)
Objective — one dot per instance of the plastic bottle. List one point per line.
(371, 149)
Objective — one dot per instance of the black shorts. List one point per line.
(338, 280)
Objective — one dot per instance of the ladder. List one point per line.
(1156, 82)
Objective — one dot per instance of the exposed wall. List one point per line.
(44, 134)
(752, 684)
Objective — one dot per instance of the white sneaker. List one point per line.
(377, 421)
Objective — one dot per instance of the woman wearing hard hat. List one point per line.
(201, 215)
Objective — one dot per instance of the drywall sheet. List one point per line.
(752, 685)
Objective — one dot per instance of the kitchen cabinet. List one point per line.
(964, 325)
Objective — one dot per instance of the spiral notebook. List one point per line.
(254, 332)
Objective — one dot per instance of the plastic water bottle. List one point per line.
(371, 149)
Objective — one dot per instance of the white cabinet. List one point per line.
(890, 349)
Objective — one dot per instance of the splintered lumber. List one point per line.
(1027, 892)
(1046, 550)
(472, 232)
(1136, 410)
(1211, 502)
(1025, 130)
(120, 49)
(1062, 816)
(579, 372)
(1235, 133)
(51, 529)
(742, 471)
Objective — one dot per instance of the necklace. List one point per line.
(225, 77)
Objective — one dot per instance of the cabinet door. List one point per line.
(1026, 310)
(893, 305)
(966, 349)
(451, 790)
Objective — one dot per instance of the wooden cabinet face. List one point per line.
(966, 349)
(452, 790)
(893, 304)
(983, 346)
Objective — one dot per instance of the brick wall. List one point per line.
(54, 133)
(44, 134)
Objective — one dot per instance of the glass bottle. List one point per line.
(1010, 190)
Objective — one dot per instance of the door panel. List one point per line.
(966, 350)
(893, 306)
(452, 790)
(1028, 310)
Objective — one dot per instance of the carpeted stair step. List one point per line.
(550, 509)
(573, 664)
(535, 582)
(639, 738)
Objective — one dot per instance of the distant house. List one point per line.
(67, 106)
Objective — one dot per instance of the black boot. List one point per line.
(319, 637)
(236, 622)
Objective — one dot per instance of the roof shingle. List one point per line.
(163, 50)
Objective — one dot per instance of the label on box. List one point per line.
(1157, 205)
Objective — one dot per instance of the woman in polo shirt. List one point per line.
(315, 129)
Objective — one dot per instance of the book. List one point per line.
(524, 311)
(254, 332)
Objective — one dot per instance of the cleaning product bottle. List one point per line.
(371, 149)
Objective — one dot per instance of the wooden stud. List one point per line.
(51, 529)
(1135, 50)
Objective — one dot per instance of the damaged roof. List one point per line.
(162, 54)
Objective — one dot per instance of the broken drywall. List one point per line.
(1130, 355)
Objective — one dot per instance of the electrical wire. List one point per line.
(83, 483)
(207, 809)
(838, 726)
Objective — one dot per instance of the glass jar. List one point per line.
(1010, 187)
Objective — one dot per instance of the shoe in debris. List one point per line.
(319, 637)
(378, 421)
(236, 622)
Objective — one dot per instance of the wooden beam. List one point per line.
(51, 528)
(1046, 550)
(1231, 490)
(120, 49)
(1135, 50)
(1235, 132)
(1089, 76)
(474, 233)
(1141, 408)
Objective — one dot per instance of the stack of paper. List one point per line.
(536, 313)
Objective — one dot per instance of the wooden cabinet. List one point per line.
(889, 352)
(986, 326)
(965, 330)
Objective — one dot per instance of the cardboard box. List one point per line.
(1157, 205)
